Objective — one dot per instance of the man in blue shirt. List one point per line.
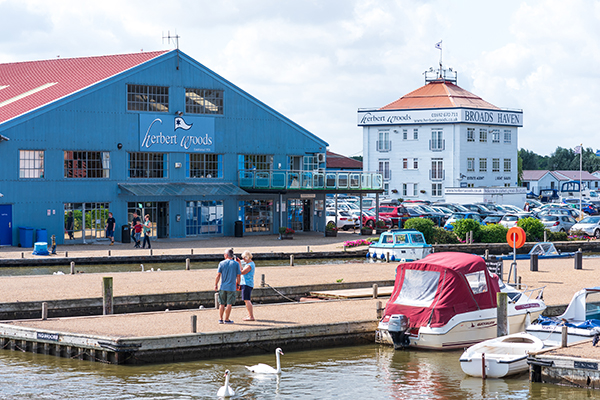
(228, 273)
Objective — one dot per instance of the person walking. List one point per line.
(110, 228)
(247, 282)
(134, 222)
(228, 273)
(147, 231)
(138, 233)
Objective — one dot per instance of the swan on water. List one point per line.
(226, 390)
(267, 369)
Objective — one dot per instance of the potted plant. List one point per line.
(330, 229)
(286, 233)
(380, 226)
(366, 230)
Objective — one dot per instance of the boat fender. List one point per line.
(393, 258)
(382, 256)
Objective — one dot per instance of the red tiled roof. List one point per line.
(25, 86)
(339, 161)
(439, 94)
(574, 175)
(534, 174)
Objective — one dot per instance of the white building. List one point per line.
(438, 137)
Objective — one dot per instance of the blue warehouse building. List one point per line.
(155, 133)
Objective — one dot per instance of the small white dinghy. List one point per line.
(505, 355)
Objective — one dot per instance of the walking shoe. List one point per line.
(220, 321)
(228, 321)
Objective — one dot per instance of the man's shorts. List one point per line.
(110, 233)
(246, 292)
(227, 297)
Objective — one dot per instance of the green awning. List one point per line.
(181, 189)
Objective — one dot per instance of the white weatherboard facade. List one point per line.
(423, 152)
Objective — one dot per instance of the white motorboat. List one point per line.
(448, 301)
(501, 356)
(400, 245)
(582, 319)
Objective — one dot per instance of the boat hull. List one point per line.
(404, 253)
(494, 367)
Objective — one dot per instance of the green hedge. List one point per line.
(442, 236)
(423, 225)
(493, 233)
(533, 227)
(461, 227)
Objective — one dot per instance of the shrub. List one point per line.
(286, 231)
(461, 227)
(533, 227)
(442, 236)
(423, 225)
(556, 236)
(494, 233)
(330, 226)
(578, 235)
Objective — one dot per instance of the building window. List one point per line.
(470, 134)
(204, 101)
(384, 169)
(203, 218)
(495, 165)
(507, 165)
(404, 134)
(386, 189)
(483, 135)
(415, 163)
(148, 165)
(258, 162)
(495, 135)
(507, 185)
(437, 140)
(507, 136)
(410, 189)
(147, 98)
(31, 164)
(257, 215)
(483, 165)
(415, 134)
(436, 190)
(86, 164)
(405, 163)
(437, 169)
(384, 144)
(204, 165)
(470, 165)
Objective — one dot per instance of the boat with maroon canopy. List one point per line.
(448, 301)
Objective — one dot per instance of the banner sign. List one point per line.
(440, 116)
(171, 133)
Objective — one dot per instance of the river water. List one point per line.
(359, 372)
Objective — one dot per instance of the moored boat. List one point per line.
(542, 249)
(501, 356)
(400, 245)
(448, 301)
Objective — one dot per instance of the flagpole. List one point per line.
(580, 181)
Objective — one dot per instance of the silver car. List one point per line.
(589, 225)
(558, 223)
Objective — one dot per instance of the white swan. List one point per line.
(267, 369)
(226, 390)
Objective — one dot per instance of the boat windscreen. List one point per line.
(419, 288)
(417, 238)
(477, 282)
(400, 238)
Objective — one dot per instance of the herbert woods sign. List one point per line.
(438, 116)
(168, 133)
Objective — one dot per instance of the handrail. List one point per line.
(302, 180)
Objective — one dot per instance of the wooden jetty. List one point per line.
(384, 291)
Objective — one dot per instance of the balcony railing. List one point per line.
(303, 180)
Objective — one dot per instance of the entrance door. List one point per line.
(6, 225)
(307, 215)
(162, 219)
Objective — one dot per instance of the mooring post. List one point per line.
(502, 314)
(44, 310)
(187, 264)
(291, 260)
(578, 259)
(150, 251)
(563, 337)
(216, 300)
(379, 309)
(107, 295)
(483, 372)
(533, 262)
(192, 251)
(72, 267)
(387, 257)
(66, 254)
(545, 236)
(22, 255)
(487, 254)
(262, 280)
(375, 289)
(109, 253)
(308, 249)
(194, 320)
(519, 283)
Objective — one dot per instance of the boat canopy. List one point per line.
(433, 290)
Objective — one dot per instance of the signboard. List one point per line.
(439, 116)
(47, 336)
(166, 133)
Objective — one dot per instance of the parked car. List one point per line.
(426, 212)
(452, 206)
(461, 215)
(510, 220)
(558, 223)
(345, 221)
(479, 209)
(589, 225)
(369, 219)
(492, 219)
(397, 213)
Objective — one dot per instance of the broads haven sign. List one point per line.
(437, 116)
(167, 133)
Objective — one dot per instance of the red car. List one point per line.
(398, 214)
(368, 219)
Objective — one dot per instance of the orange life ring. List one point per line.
(519, 235)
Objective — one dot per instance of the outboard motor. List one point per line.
(398, 327)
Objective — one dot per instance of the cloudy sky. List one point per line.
(318, 61)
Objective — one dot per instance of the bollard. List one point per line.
(150, 251)
(563, 337)
(109, 253)
(72, 267)
(379, 309)
(308, 249)
(192, 251)
(262, 280)
(344, 247)
(22, 255)
(107, 295)
(483, 371)
(187, 264)
(387, 257)
(194, 320)
(502, 314)
(578, 259)
(291, 260)
(142, 267)
(533, 263)
(216, 300)
(44, 310)
(487, 254)
(66, 254)
(375, 289)
(545, 236)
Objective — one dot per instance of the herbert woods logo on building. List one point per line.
(193, 136)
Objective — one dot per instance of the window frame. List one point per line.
(32, 167)
(209, 101)
(199, 162)
(144, 163)
(81, 164)
(160, 103)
